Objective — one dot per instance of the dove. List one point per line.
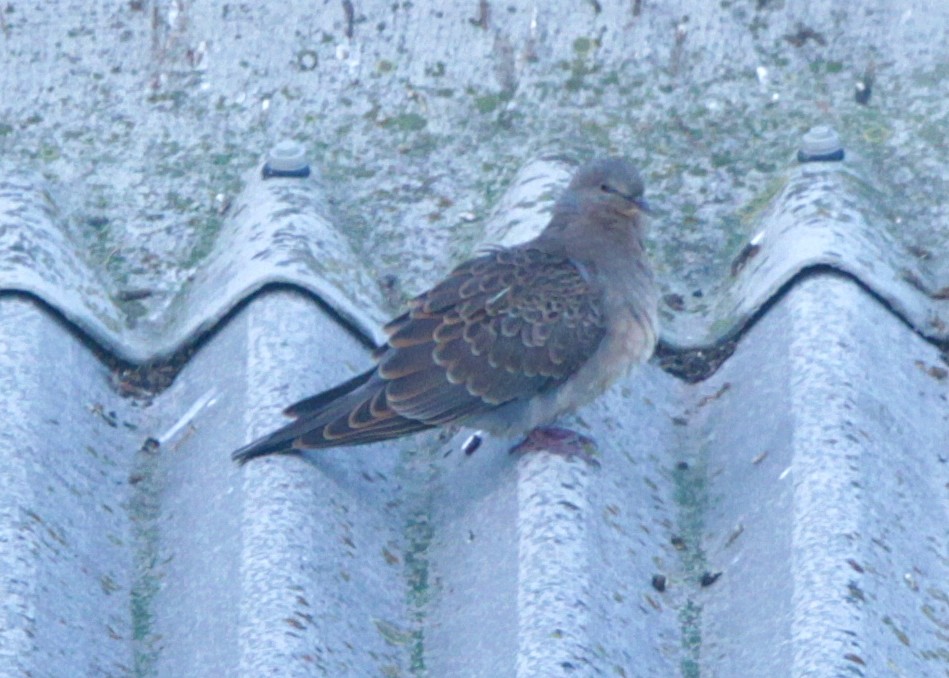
(511, 339)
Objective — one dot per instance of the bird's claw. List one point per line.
(561, 441)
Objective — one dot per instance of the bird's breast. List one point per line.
(630, 340)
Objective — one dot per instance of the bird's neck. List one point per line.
(598, 240)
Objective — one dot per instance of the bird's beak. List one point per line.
(639, 206)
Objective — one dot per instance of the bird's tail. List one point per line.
(353, 413)
(309, 413)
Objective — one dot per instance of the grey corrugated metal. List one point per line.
(810, 470)
(67, 547)
(818, 495)
(824, 502)
(421, 117)
(279, 233)
(277, 569)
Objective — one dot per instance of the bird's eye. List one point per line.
(606, 188)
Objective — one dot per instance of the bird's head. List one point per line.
(608, 186)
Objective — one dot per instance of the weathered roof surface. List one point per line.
(786, 516)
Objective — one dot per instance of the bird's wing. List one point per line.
(504, 326)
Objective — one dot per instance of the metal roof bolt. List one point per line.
(286, 159)
(820, 144)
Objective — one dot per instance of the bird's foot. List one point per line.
(557, 440)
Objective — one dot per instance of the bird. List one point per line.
(509, 340)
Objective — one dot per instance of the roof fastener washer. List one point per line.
(820, 144)
(286, 159)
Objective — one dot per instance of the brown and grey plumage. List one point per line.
(510, 339)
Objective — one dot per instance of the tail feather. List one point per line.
(314, 404)
(310, 413)
(343, 415)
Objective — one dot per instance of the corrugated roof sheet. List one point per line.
(786, 516)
